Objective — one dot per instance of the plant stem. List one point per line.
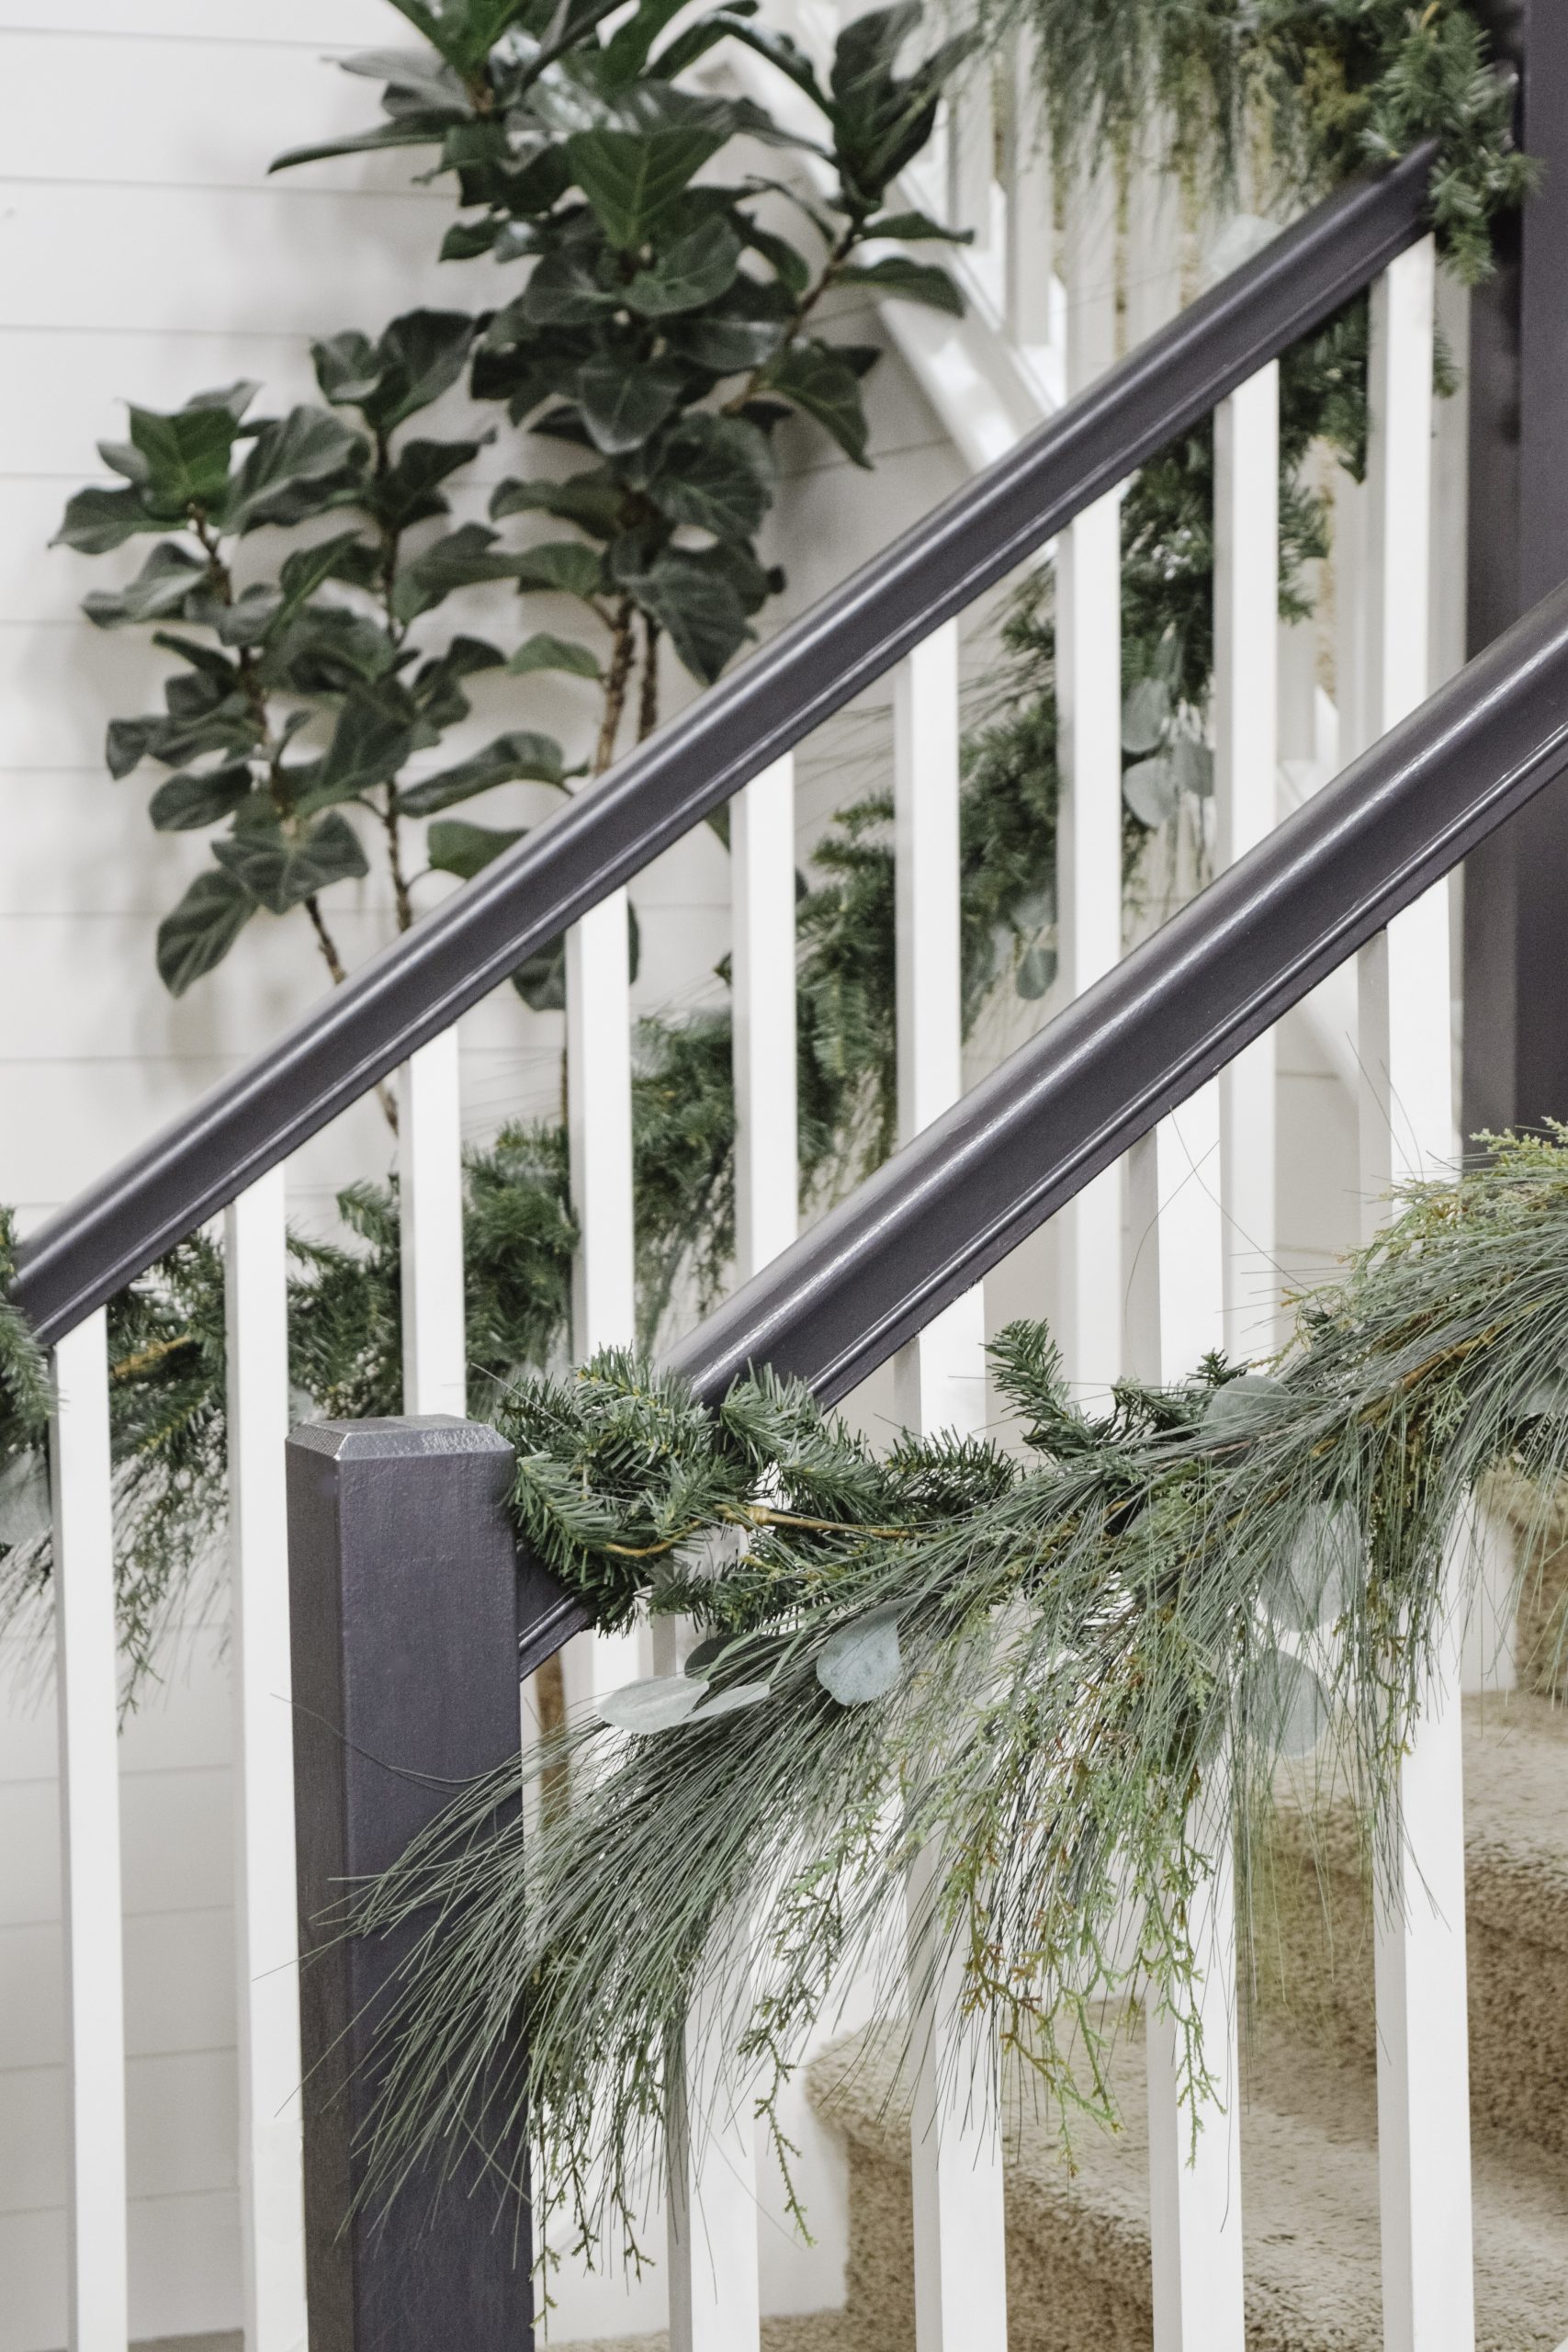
(647, 704)
(617, 681)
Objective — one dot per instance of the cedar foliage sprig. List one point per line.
(1032, 1670)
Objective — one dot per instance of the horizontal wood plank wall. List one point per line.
(144, 253)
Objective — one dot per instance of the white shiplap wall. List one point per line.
(143, 254)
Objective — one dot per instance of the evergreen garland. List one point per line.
(1032, 1670)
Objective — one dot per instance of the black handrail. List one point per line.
(456, 954)
(944, 1210)
(1069, 1103)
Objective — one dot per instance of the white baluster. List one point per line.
(970, 151)
(1089, 274)
(1247, 595)
(272, 2208)
(1089, 901)
(1175, 1316)
(599, 1134)
(599, 1119)
(88, 1686)
(1031, 206)
(958, 2217)
(940, 1377)
(761, 868)
(1408, 1126)
(430, 1199)
(715, 2276)
(940, 1384)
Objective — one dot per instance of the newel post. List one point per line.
(404, 1592)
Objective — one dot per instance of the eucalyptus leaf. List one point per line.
(863, 1660)
(1310, 1588)
(730, 1701)
(25, 1511)
(658, 1704)
(1145, 715)
(1193, 763)
(1294, 1710)
(1238, 1407)
(1036, 970)
(1152, 790)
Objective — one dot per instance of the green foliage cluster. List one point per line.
(1027, 1668)
(1298, 92)
(662, 333)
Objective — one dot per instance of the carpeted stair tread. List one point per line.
(1078, 2245)
(1314, 1943)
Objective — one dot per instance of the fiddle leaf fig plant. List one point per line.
(655, 329)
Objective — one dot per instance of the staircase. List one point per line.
(408, 1620)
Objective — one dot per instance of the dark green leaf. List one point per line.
(186, 802)
(793, 268)
(696, 269)
(127, 743)
(562, 292)
(308, 569)
(593, 499)
(158, 590)
(631, 178)
(909, 281)
(372, 739)
(911, 228)
(542, 651)
(817, 380)
(97, 520)
(281, 870)
(694, 40)
(244, 622)
(565, 565)
(522, 757)
(726, 347)
(409, 131)
(200, 931)
(187, 457)
(466, 849)
(622, 405)
(540, 979)
(419, 356)
(414, 70)
(626, 51)
(295, 468)
(326, 649)
(462, 560)
(467, 240)
(716, 473)
(409, 492)
(696, 605)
